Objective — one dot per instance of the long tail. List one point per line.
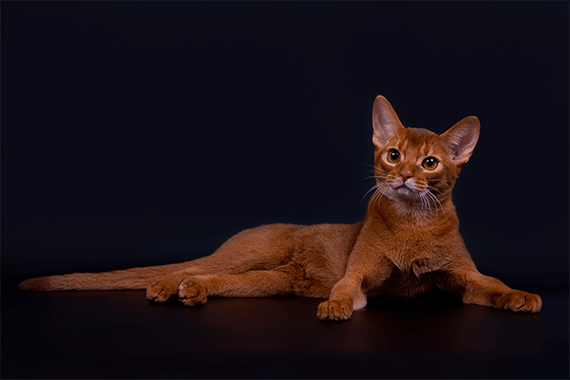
(128, 279)
(245, 251)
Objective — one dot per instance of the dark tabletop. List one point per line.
(119, 335)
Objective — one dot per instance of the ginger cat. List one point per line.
(408, 243)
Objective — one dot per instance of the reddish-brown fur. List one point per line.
(408, 243)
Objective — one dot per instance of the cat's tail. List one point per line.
(128, 279)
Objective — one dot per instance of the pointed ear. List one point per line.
(385, 121)
(462, 138)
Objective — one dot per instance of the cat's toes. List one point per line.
(160, 291)
(532, 303)
(520, 301)
(192, 293)
(334, 311)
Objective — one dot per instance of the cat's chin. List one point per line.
(403, 192)
(405, 196)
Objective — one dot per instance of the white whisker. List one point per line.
(431, 188)
(376, 177)
(375, 187)
(436, 201)
(382, 188)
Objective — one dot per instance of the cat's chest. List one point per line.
(417, 254)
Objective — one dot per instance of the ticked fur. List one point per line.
(408, 243)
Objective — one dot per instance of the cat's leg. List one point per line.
(365, 270)
(167, 287)
(346, 296)
(488, 291)
(256, 248)
(285, 280)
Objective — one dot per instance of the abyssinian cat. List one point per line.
(408, 243)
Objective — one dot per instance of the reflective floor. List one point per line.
(120, 335)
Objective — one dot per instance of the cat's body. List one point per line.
(408, 243)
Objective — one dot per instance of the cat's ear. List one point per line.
(462, 138)
(385, 121)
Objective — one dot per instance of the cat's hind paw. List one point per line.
(192, 293)
(160, 291)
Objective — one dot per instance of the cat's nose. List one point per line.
(406, 174)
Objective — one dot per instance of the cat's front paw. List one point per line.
(191, 292)
(333, 310)
(519, 301)
(161, 290)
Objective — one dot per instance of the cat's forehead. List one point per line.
(418, 137)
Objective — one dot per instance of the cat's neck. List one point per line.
(401, 216)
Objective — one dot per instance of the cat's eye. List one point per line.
(430, 163)
(393, 156)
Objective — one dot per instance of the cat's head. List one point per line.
(415, 167)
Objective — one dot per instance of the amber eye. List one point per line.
(393, 156)
(430, 163)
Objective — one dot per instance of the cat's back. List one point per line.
(330, 236)
(299, 236)
(295, 242)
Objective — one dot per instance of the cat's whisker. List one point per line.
(422, 198)
(426, 201)
(431, 188)
(426, 196)
(382, 188)
(374, 167)
(375, 177)
(375, 187)
(379, 187)
(377, 169)
(436, 201)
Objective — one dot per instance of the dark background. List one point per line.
(149, 133)
(143, 133)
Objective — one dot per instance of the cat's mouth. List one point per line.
(405, 190)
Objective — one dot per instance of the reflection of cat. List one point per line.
(408, 243)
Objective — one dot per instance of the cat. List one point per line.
(407, 244)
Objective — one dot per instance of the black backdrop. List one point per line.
(146, 133)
